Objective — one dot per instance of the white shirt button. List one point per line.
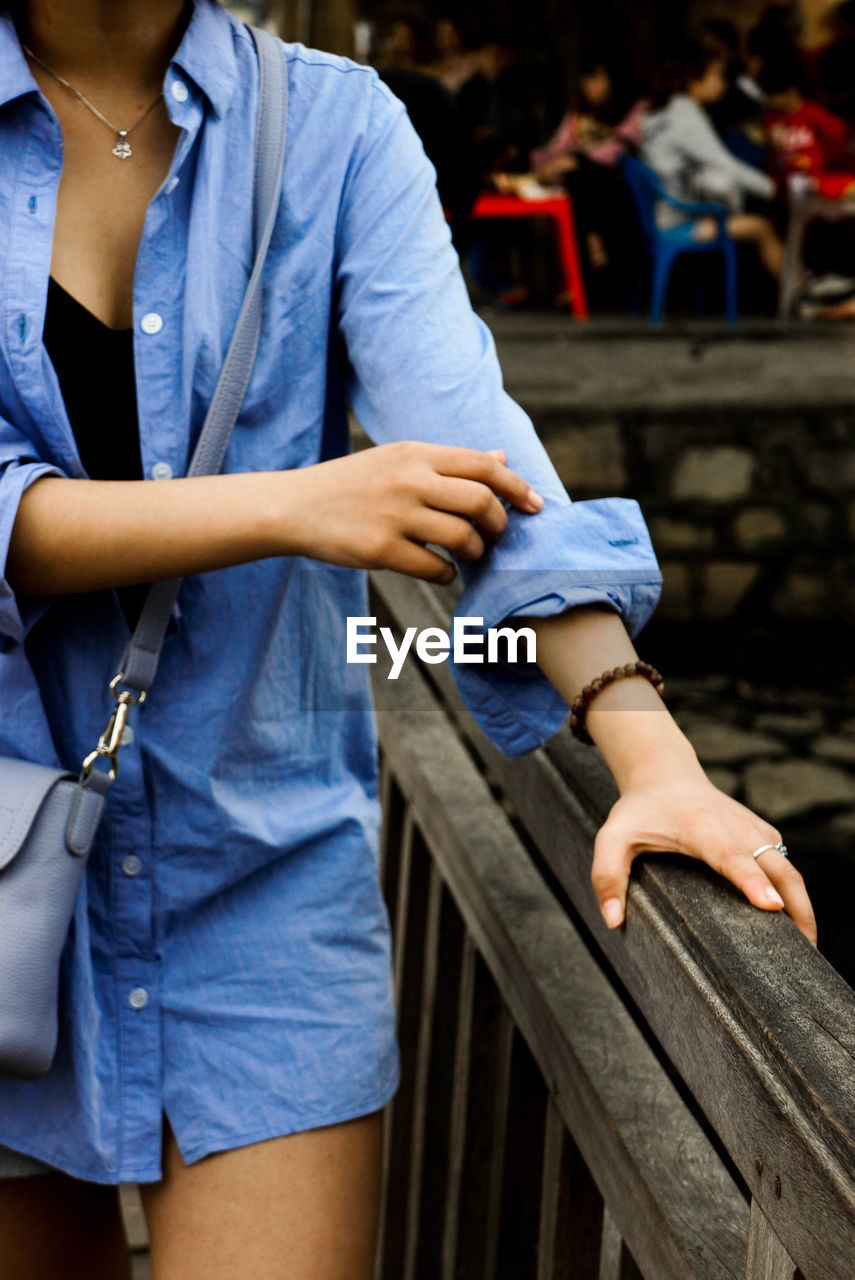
(138, 998)
(151, 323)
(127, 736)
(161, 471)
(132, 865)
(179, 90)
(171, 185)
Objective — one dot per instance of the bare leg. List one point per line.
(750, 228)
(302, 1207)
(55, 1226)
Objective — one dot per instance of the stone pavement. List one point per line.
(786, 752)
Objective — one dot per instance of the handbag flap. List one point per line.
(24, 787)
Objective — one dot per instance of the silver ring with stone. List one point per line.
(782, 849)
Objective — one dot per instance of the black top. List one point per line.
(95, 368)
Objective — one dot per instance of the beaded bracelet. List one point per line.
(579, 709)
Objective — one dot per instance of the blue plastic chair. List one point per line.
(666, 246)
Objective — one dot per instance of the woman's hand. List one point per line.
(378, 508)
(667, 803)
(687, 814)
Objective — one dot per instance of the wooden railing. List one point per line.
(673, 1100)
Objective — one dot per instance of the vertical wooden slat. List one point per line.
(409, 944)
(133, 1216)
(457, 1137)
(401, 904)
(423, 1059)
(385, 784)
(397, 900)
(395, 861)
(391, 834)
(611, 1248)
(551, 1264)
(525, 1131)
(504, 1050)
(767, 1257)
(571, 1208)
(440, 1089)
(489, 1065)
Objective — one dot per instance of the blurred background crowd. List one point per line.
(728, 109)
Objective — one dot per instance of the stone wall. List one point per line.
(751, 512)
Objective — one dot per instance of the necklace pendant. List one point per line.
(122, 149)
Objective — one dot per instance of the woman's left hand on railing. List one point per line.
(667, 803)
(683, 812)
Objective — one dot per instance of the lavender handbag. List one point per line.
(48, 818)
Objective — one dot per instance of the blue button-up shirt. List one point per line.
(228, 960)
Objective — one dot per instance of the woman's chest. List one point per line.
(189, 274)
(101, 207)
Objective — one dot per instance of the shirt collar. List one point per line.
(16, 78)
(207, 53)
(206, 56)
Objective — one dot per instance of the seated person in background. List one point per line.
(738, 116)
(682, 146)
(583, 155)
(804, 137)
(583, 158)
(457, 58)
(603, 123)
(497, 108)
(810, 144)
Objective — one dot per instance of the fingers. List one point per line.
(449, 531)
(783, 879)
(610, 873)
(418, 562)
(773, 886)
(474, 501)
(745, 872)
(475, 464)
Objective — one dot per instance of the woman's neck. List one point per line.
(113, 44)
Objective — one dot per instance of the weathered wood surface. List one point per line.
(767, 1257)
(674, 1201)
(135, 1230)
(757, 1023)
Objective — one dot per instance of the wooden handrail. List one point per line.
(759, 1027)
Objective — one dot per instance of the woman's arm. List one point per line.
(368, 510)
(667, 803)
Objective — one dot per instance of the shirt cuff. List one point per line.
(589, 552)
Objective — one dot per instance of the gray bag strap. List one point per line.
(139, 662)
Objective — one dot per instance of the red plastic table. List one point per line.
(491, 204)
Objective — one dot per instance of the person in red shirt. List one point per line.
(804, 137)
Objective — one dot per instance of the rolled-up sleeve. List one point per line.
(19, 468)
(421, 365)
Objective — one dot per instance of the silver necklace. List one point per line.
(122, 149)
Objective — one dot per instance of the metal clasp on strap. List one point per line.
(111, 738)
